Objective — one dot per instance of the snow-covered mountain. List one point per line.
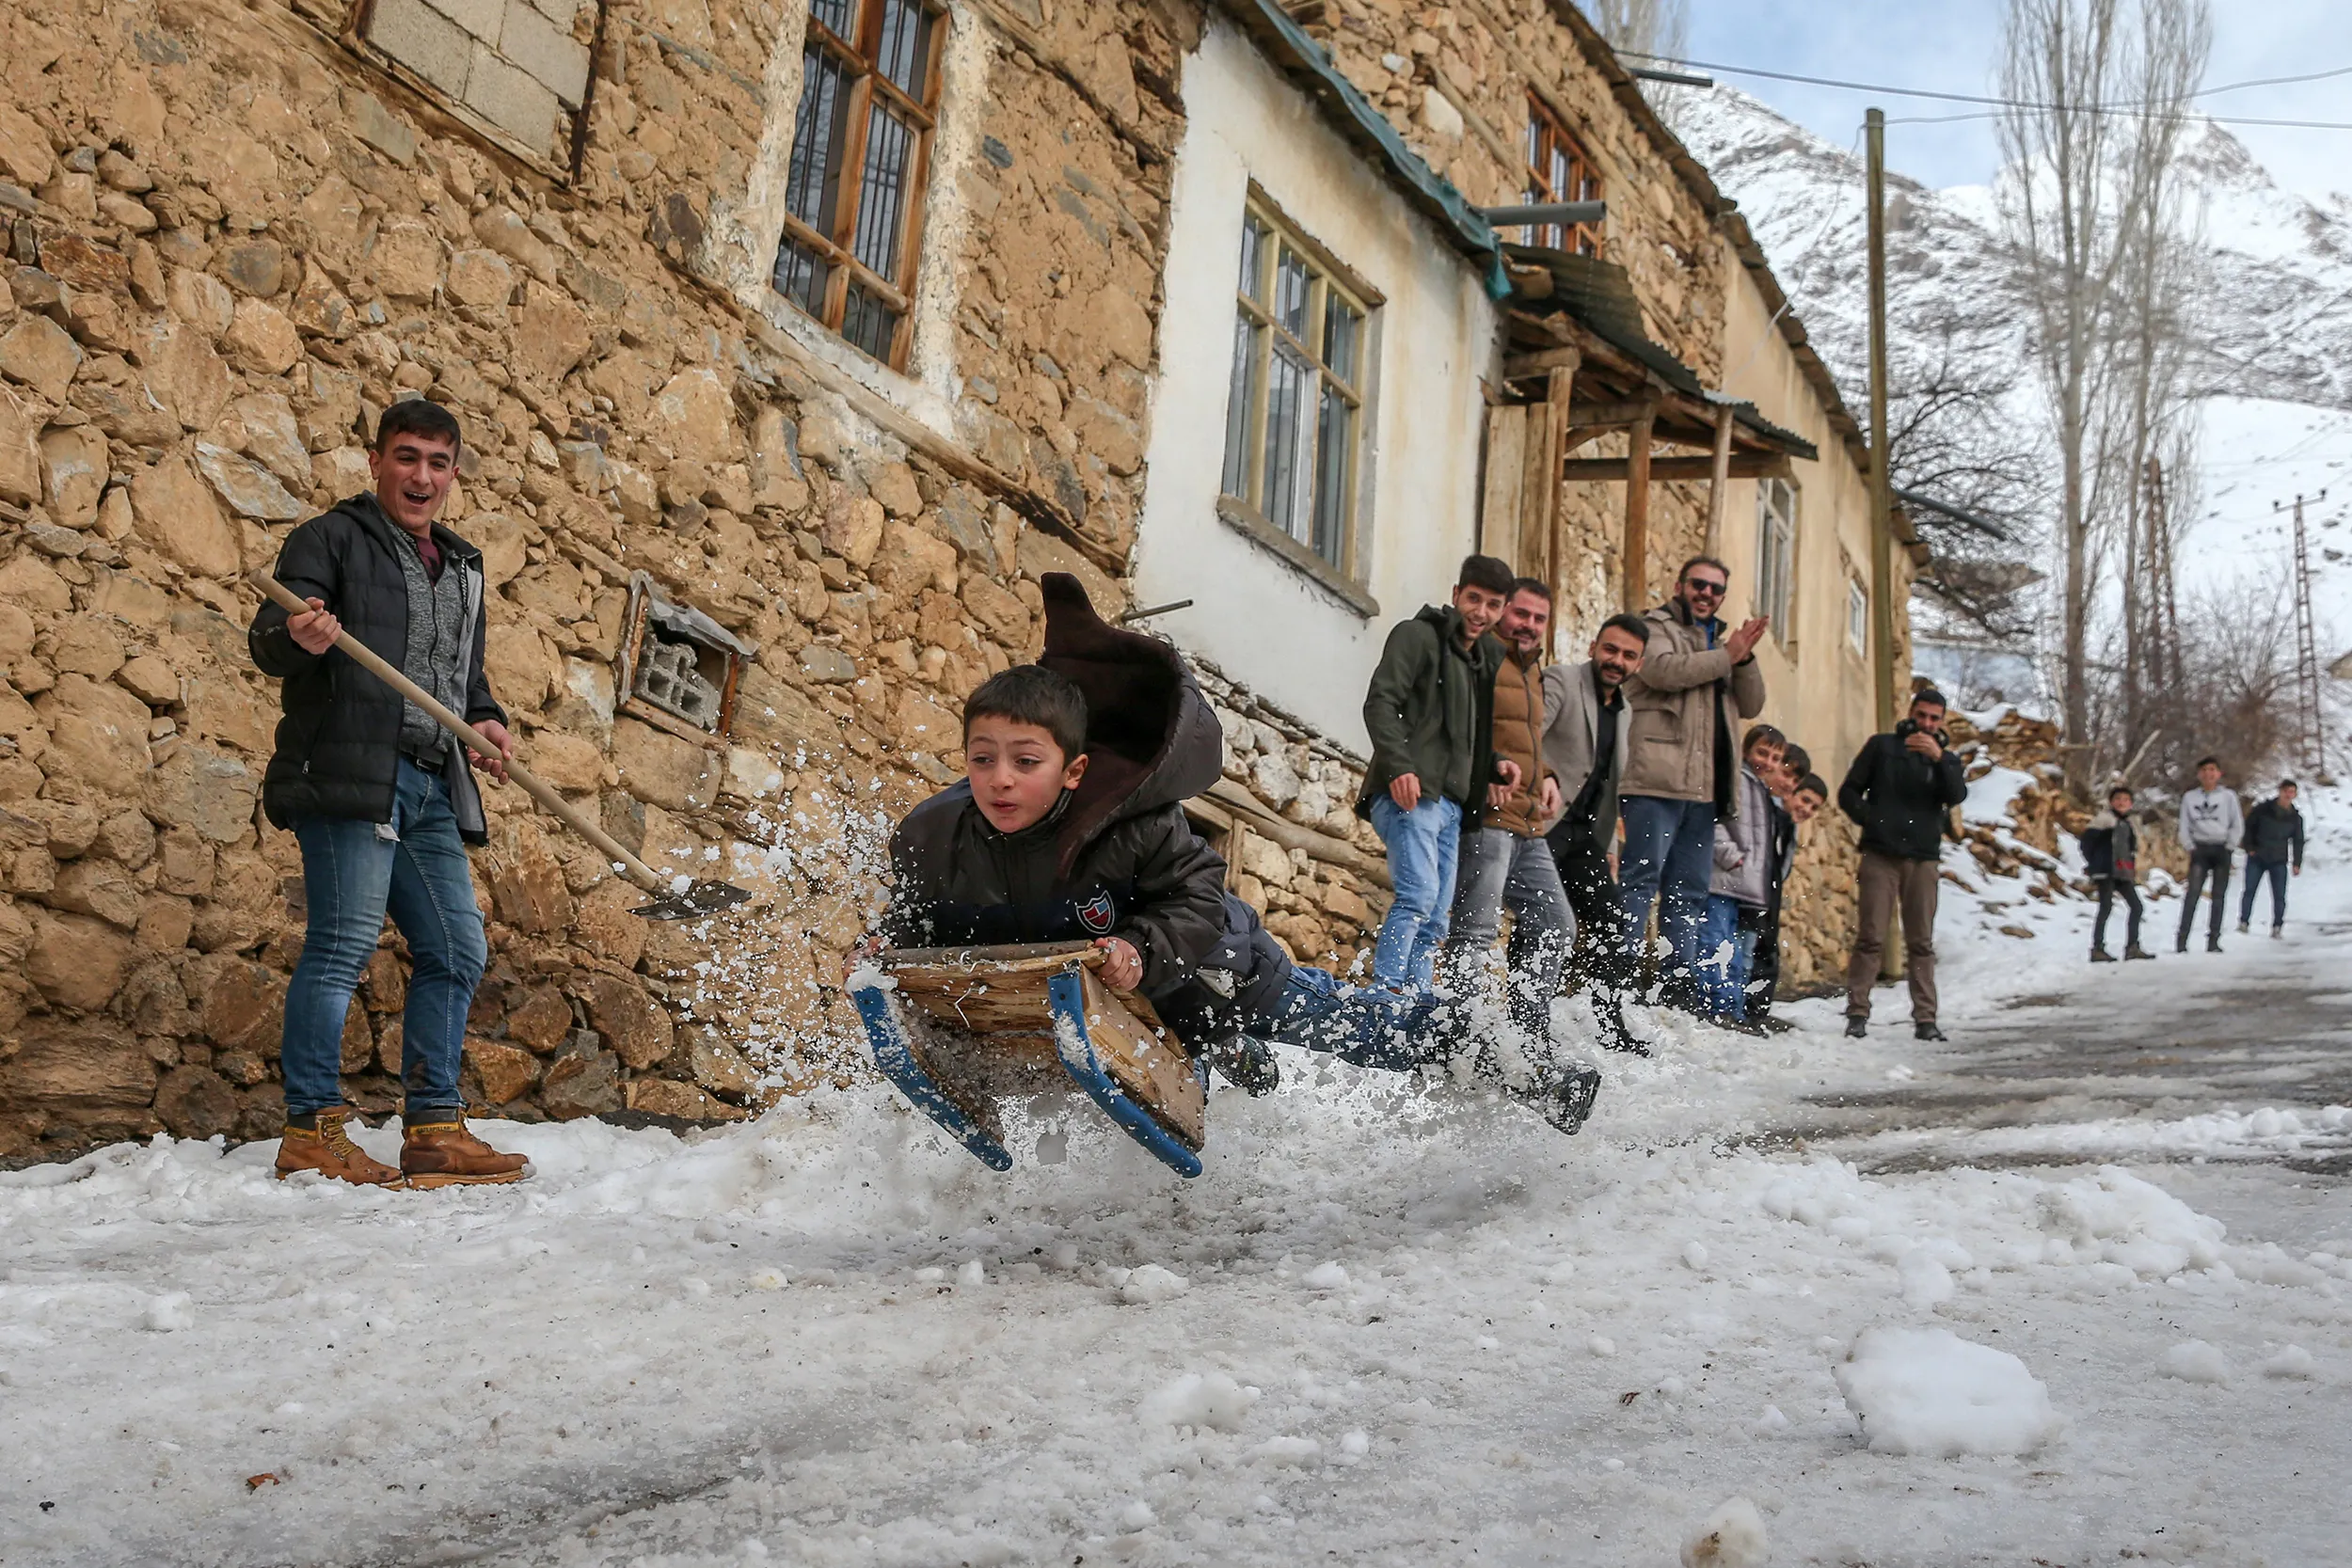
(2274, 319)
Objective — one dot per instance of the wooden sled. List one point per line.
(961, 1029)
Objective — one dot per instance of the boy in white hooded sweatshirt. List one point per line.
(2211, 823)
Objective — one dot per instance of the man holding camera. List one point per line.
(1898, 789)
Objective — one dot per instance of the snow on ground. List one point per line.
(1391, 1324)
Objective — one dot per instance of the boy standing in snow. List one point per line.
(1742, 888)
(2274, 837)
(1898, 789)
(2112, 856)
(2210, 826)
(1069, 825)
(1798, 794)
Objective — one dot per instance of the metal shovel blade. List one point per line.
(699, 899)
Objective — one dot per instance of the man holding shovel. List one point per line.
(380, 797)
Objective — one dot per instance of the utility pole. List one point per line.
(1881, 502)
(2305, 649)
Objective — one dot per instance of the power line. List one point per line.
(1997, 103)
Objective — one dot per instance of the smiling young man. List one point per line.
(1585, 719)
(1429, 711)
(380, 797)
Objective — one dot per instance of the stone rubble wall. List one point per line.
(231, 243)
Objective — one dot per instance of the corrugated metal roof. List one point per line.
(1599, 296)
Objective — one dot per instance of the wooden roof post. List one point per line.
(1636, 565)
(1549, 517)
(1719, 480)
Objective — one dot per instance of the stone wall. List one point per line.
(233, 240)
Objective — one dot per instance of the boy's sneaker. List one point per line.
(1858, 1028)
(2213, 945)
(2136, 951)
(1246, 1064)
(2181, 946)
(328, 1149)
(2242, 927)
(1567, 1104)
(444, 1154)
(1775, 1024)
(1924, 1029)
(2278, 932)
(2100, 956)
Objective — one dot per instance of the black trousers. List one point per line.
(2110, 889)
(2206, 860)
(1599, 959)
(1764, 969)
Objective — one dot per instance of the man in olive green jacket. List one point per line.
(1429, 712)
(1697, 683)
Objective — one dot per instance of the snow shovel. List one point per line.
(674, 898)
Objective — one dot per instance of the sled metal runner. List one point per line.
(960, 1030)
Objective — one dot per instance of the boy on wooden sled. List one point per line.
(1069, 825)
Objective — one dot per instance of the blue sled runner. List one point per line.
(959, 1030)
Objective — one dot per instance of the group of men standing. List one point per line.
(2213, 826)
(1580, 796)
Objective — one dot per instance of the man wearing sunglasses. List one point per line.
(1697, 685)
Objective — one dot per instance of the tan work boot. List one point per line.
(328, 1149)
(444, 1154)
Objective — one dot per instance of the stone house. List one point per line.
(794, 340)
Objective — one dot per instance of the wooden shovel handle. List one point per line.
(538, 789)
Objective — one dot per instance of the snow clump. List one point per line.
(2195, 1361)
(2115, 1217)
(168, 1313)
(1150, 1285)
(1325, 1276)
(1731, 1537)
(1928, 1391)
(1208, 1400)
(2293, 1361)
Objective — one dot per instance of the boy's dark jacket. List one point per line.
(2274, 834)
(1429, 710)
(1899, 797)
(2111, 849)
(1115, 856)
(338, 744)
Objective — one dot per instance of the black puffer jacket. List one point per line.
(1899, 797)
(2274, 834)
(1116, 857)
(339, 743)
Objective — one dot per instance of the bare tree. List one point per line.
(1654, 27)
(2097, 93)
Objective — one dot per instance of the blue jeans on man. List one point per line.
(2255, 871)
(354, 873)
(1668, 860)
(1728, 938)
(1371, 1026)
(1424, 845)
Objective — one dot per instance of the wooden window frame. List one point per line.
(1780, 606)
(1328, 278)
(865, 79)
(1858, 614)
(647, 603)
(1545, 133)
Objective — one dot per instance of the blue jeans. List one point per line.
(2255, 871)
(1362, 1025)
(1424, 846)
(353, 874)
(1722, 986)
(1501, 870)
(1668, 860)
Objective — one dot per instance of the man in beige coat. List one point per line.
(1698, 682)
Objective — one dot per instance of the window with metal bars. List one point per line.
(1776, 555)
(1295, 418)
(860, 149)
(1559, 170)
(1857, 616)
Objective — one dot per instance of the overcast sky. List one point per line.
(1951, 47)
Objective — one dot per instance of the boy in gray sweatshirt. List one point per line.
(2211, 823)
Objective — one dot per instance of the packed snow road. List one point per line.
(1389, 1325)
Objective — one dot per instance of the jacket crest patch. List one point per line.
(1097, 914)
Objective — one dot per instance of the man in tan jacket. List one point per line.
(1697, 683)
(1504, 862)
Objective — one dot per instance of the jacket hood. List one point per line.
(2105, 819)
(368, 513)
(1151, 740)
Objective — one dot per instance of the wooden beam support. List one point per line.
(1741, 465)
(1611, 413)
(1719, 480)
(1554, 569)
(1637, 477)
(1539, 492)
(1524, 367)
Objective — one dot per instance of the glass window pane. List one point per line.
(839, 15)
(906, 45)
(882, 203)
(1240, 394)
(869, 323)
(1291, 279)
(1286, 416)
(812, 183)
(1343, 326)
(1335, 449)
(800, 276)
(1252, 257)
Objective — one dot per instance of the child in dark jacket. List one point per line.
(1069, 825)
(2111, 857)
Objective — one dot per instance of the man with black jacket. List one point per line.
(1430, 713)
(2273, 839)
(380, 800)
(1898, 789)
